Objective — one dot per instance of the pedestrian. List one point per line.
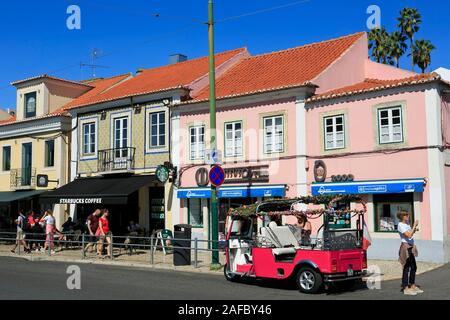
(408, 253)
(31, 234)
(21, 223)
(50, 230)
(92, 226)
(306, 229)
(104, 234)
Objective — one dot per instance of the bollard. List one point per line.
(83, 253)
(195, 253)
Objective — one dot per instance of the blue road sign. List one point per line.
(216, 176)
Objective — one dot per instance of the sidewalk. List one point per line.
(390, 270)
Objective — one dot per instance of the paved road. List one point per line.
(23, 279)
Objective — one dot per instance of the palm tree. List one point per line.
(422, 53)
(397, 47)
(379, 43)
(409, 23)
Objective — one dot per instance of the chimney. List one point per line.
(178, 57)
(11, 112)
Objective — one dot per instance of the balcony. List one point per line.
(117, 160)
(23, 179)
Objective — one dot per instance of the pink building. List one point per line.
(279, 113)
(391, 138)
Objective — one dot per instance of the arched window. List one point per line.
(30, 105)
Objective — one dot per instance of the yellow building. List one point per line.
(36, 141)
(124, 132)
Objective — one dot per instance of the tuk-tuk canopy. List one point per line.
(286, 207)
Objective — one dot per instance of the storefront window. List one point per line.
(386, 209)
(195, 213)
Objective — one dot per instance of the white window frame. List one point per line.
(10, 157)
(273, 133)
(390, 125)
(199, 155)
(236, 144)
(334, 133)
(94, 123)
(158, 133)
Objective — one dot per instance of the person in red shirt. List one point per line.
(104, 233)
(92, 226)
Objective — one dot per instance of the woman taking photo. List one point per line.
(408, 253)
(104, 234)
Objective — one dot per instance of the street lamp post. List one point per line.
(212, 123)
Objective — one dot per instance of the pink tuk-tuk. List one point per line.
(268, 250)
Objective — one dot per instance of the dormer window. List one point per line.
(30, 105)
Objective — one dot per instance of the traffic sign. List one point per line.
(216, 176)
(213, 156)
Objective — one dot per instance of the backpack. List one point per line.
(25, 225)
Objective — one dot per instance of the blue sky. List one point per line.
(36, 40)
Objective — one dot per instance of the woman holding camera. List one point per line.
(408, 253)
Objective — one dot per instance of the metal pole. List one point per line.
(83, 253)
(196, 253)
(212, 123)
(111, 247)
(152, 258)
(49, 244)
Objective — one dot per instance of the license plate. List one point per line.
(350, 272)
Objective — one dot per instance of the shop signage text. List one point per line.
(81, 201)
(247, 174)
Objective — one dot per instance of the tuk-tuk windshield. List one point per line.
(242, 228)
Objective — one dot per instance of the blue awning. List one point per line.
(369, 187)
(194, 193)
(234, 192)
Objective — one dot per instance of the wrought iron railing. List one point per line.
(23, 178)
(117, 159)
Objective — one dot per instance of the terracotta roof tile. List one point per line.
(178, 75)
(282, 69)
(370, 85)
(100, 87)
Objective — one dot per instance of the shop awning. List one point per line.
(10, 196)
(98, 190)
(369, 187)
(234, 192)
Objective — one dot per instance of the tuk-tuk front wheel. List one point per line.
(309, 280)
(230, 276)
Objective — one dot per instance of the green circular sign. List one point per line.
(162, 173)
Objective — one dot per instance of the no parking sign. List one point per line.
(216, 176)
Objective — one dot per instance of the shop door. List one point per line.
(157, 208)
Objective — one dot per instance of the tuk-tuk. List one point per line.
(268, 250)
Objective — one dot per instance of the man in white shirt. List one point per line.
(20, 236)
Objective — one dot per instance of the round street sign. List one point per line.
(216, 176)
